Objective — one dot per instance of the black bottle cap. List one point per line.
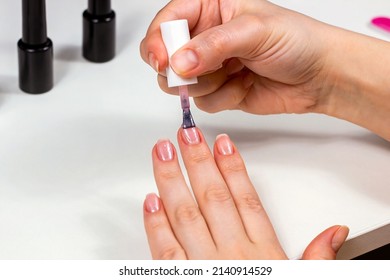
(99, 31)
(35, 50)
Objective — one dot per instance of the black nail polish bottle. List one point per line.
(35, 50)
(99, 31)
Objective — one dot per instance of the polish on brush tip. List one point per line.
(188, 121)
(175, 34)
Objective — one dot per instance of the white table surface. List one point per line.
(75, 163)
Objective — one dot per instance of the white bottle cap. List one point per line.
(175, 34)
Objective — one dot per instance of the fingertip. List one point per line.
(190, 136)
(153, 52)
(153, 61)
(224, 145)
(339, 237)
(184, 61)
(152, 203)
(327, 244)
(165, 150)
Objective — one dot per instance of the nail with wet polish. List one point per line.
(164, 150)
(224, 145)
(191, 136)
(152, 203)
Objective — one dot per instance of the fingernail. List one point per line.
(184, 61)
(224, 145)
(153, 62)
(191, 136)
(152, 203)
(339, 237)
(164, 150)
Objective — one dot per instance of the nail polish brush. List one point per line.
(176, 34)
(188, 121)
(35, 49)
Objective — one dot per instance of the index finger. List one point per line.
(200, 14)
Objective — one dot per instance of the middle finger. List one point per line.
(210, 190)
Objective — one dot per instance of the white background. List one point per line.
(75, 162)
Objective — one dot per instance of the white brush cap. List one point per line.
(176, 34)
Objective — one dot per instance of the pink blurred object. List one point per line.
(382, 22)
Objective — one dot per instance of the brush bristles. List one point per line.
(188, 121)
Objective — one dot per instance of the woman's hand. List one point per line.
(260, 58)
(251, 55)
(224, 218)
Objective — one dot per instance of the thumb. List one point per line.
(326, 245)
(240, 37)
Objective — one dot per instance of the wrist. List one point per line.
(357, 82)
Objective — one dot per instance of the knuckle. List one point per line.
(155, 226)
(250, 202)
(199, 157)
(217, 194)
(218, 39)
(187, 214)
(233, 165)
(169, 174)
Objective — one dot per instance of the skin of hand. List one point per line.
(260, 58)
(223, 217)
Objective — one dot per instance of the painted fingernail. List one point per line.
(152, 203)
(191, 136)
(224, 145)
(164, 150)
(339, 237)
(153, 62)
(184, 61)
